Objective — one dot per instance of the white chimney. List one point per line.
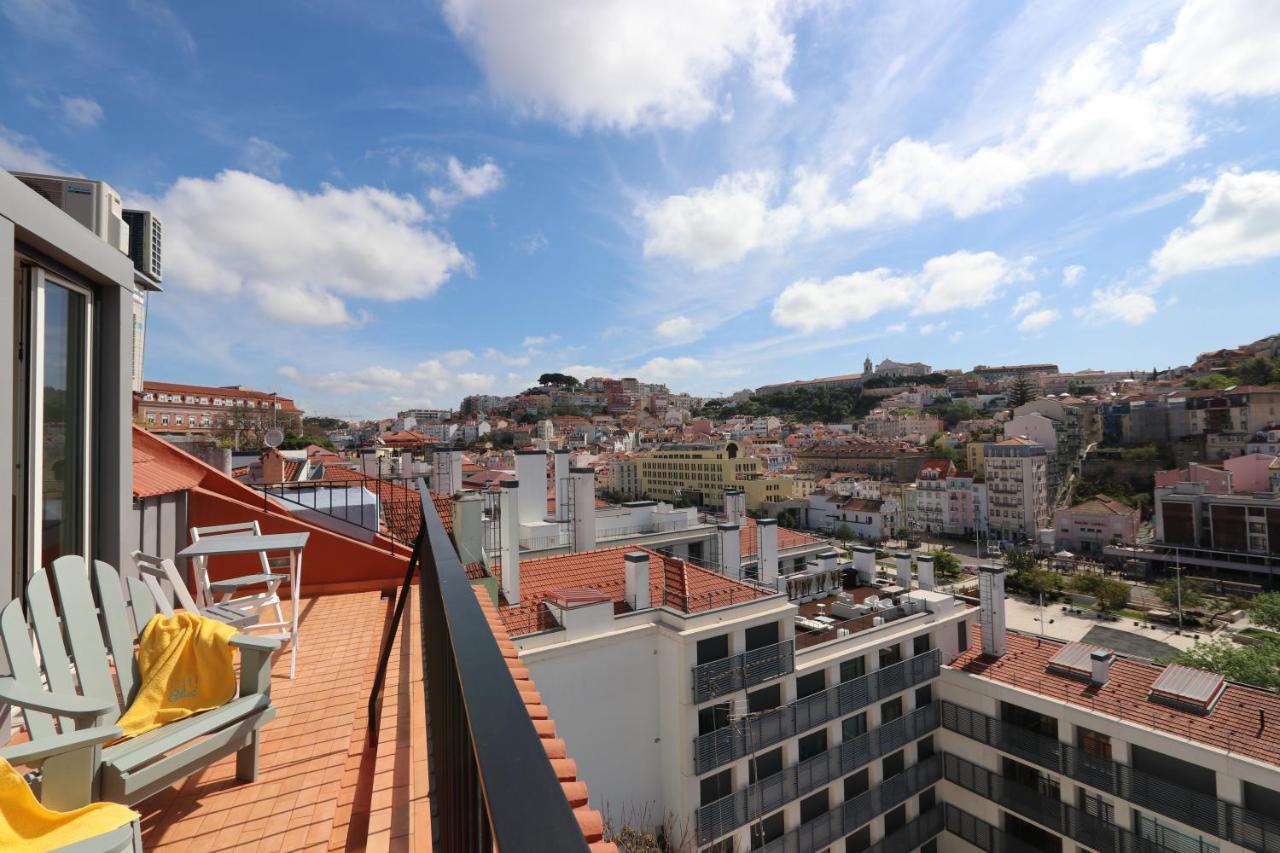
(730, 549)
(903, 560)
(468, 527)
(924, 572)
(768, 531)
(446, 472)
(509, 533)
(991, 608)
(735, 505)
(637, 569)
(562, 484)
(583, 522)
(531, 471)
(828, 560)
(1101, 665)
(864, 564)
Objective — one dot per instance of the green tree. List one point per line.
(789, 517)
(1020, 392)
(1194, 594)
(1018, 560)
(561, 380)
(844, 533)
(946, 565)
(1112, 594)
(1035, 582)
(1258, 370)
(1265, 610)
(1213, 382)
(1258, 665)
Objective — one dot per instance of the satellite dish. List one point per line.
(274, 437)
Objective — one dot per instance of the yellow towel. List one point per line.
(28, 826)
(184, 667)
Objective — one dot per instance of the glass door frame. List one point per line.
(37, 280)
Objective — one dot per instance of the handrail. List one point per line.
(491, 783)
(396, 507)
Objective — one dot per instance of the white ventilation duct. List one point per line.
(531, 471)
(864, 564)
(637, 579)
(730, 541)
(583, 522)
(509, 518)
(991, 609)
(562, 484)
(925, 572)
(446, 472)
(1100, 661)
(768, 532)
(468, 527)
(903, 561)
(735, 506)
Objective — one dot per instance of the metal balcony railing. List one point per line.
(730, 743)
(491, 784)
(850, 815)
(745, 669)
(981, 834)
(1206, 813)
(728, 813)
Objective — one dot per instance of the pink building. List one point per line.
(1088, 527)
(1216, 480)
(1250, 473)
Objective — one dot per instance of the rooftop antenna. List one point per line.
(274, 437)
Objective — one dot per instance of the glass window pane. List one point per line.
(63, 423)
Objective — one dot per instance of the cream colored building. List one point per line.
(1017, 488)
(700, 473)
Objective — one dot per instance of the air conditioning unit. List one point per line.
(94, 204)
(144, 241)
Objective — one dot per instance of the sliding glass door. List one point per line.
(58, 379)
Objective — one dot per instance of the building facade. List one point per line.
(172, 407)
(1089, 527)
(700, 474)
(1017, 488)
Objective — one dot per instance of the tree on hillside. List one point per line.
(561, 380)
(1020, 392)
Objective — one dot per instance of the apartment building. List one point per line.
(966, 508)
(1000, 373)
(1189, 516)
(1088, 527)
(887, 424)
(929, 509)
(179, 408)
(1017, 488)
(700, 474)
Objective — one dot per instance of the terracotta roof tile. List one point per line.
(156, 472)
(787, 538)
(673, 583)
(1233, 725)
(575, 790)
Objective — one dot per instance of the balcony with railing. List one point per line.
(768, 794)
(1206, 813)
(745, 669)
(719, 747)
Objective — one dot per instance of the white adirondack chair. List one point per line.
(70, 694)
(228, 588)
(155, 570)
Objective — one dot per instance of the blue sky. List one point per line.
(377, 208)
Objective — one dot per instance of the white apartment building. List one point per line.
(929, 510)
(1017, 488)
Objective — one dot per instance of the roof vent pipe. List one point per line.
(991, 608)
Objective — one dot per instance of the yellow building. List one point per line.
(701, 472)
(975, 458)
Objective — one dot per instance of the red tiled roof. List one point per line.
(291, 469)
(160, 474)
(1103, 504)
(286, 404)
(401, 506)
(1232, 725)
(575, 790)
(862, 505)
(673, 583)
(787, 538)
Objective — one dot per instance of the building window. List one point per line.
(852, 727)
(813, 744)
(853, 668)
(1094, 743)
(962, 635)
(713, 718)
(164, 420)
(814, 682)
(856, 784)
(767, 830)
(894, 764)
(765, 700)
(891, 710)
(715, 787)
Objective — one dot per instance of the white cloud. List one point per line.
(457, 357)
(534, 243)
(1118, 305)
(19, 153)
(262, 157)
(954, 337)
(539, 340)
(1072, 274)
(679, 328)
(1037, 320)
(1239, 223)
(1111, 110)
(81, 112)
(430, 382)
(1026, 302)
(895, 328)
(466, 183)
(930, 328)
(669, 370)
(620, 64)
(493, 354)
(300, 254)
(945, 283)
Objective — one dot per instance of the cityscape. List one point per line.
(559, 426)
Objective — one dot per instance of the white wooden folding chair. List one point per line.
(227, 589)
(156, 571)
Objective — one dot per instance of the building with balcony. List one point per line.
(1017, 488)
(700, 474)
(231, 410)
(929, 509)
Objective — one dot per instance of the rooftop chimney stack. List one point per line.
(446, 472)
(864, 564)
(272, 466)
(583, 522)
(924, 572)
(903, 560)
(468, 527)
(991, 608)
(637, 569)
(828, 560)
(768, 532)
(509, 518)
(735, 505)
(1101, 660)
(562, 484)
(531, 471)
(730, 549)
